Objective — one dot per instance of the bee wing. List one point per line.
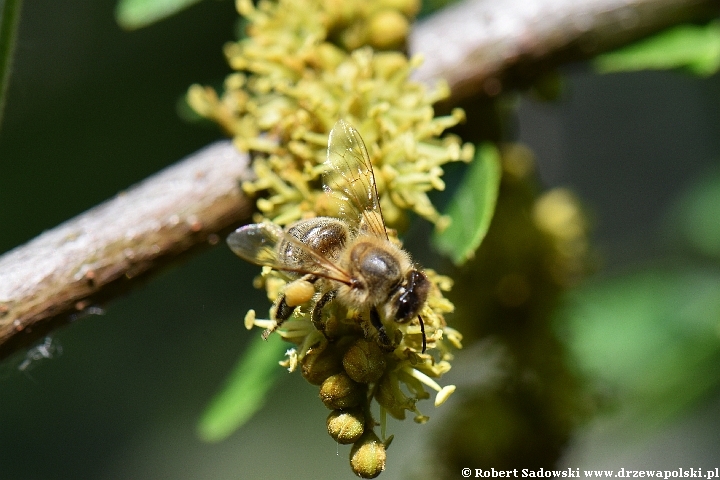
(350, 179)
(258, 243)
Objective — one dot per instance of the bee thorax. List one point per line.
(377, 269)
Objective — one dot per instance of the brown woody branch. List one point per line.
(95, 256)
(487, 46)
(480, 47)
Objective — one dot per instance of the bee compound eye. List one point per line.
(407, 305)
(413, 296)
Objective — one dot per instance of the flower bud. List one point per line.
(320, 363)
(346, 426)
(340, 391)
(364, 362)
(388, 29)
(368, 456)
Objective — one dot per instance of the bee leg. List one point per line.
(283, 310)
(375, 320)
(282, 313)
(317, 310)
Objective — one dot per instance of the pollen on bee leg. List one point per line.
(299, 292)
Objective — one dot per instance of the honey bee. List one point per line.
(348, 259)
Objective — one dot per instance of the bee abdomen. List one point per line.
(325, 235)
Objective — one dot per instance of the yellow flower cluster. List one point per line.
(303, 65)
(293, 84)
(352, 370)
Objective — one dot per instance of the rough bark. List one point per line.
(488, 46)
(78, 265)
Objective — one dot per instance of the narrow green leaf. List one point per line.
(472, 207)
(9, 21)
(245, 391)
(133, 14)
(696, 216)
(691, 47)
(651, 334)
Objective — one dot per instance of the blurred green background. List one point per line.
(91, 109)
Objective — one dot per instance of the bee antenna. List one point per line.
(422, 330)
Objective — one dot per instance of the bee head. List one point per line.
(411, 296)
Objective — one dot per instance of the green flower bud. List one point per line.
(364, 362)
(320, 363)
(388, 29)
(368, 456)
(346, 426)
(340, 391)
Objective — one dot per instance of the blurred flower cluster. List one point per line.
(302, 66)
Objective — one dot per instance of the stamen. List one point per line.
(423, 378)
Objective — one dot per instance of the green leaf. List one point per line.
(133, 14)
(472, 207)
(691, 47)
(245, 391)
(696, 216)
(9, 21)
(651, 335)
